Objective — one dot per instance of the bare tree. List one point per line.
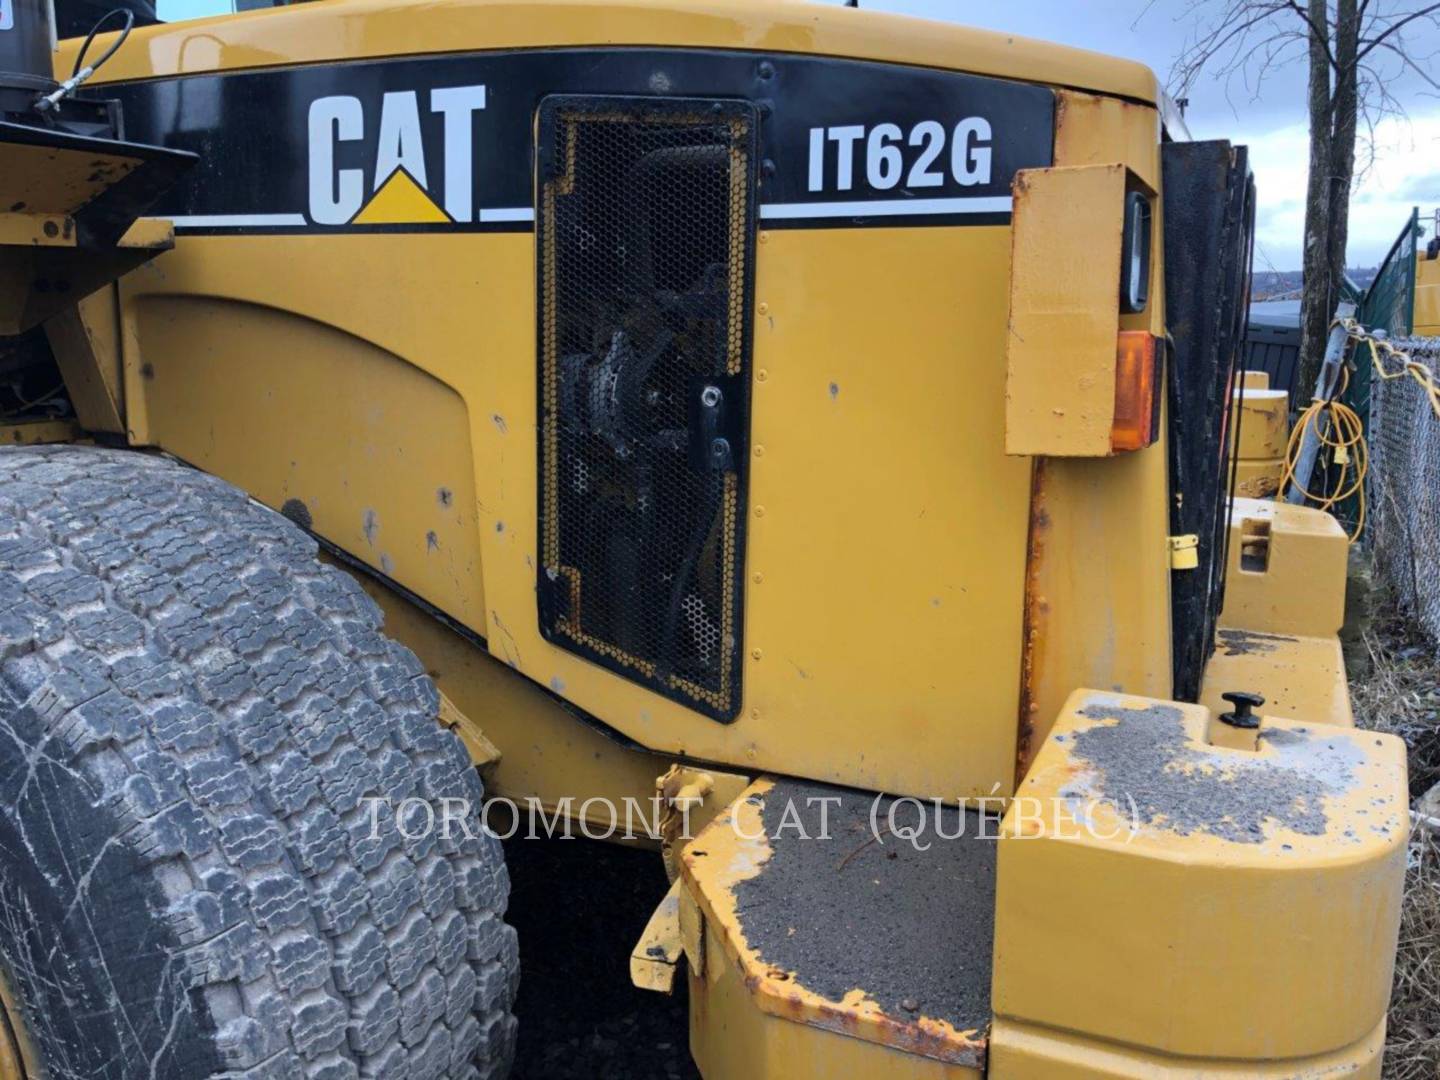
(1354, 49)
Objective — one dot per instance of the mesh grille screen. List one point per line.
(645, 233)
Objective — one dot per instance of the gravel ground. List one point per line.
(579, 905)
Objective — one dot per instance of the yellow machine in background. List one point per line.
(1262, 418)
(818, 411)
(1427, 291)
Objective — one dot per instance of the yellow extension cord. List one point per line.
(1344, 435)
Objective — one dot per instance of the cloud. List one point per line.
(1269, 118)
(1422, 188)
(1402, 176)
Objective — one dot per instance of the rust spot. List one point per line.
(1033, 627)
(920, 1035)
(1074, 135)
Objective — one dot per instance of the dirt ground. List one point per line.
(579, 905)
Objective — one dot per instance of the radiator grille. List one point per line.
(645, 232)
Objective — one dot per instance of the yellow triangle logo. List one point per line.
(401, 201)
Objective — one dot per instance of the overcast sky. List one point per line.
(1273, 124)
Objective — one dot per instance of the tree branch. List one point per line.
(1230, 46)
(1372, 43)
(1407, 61)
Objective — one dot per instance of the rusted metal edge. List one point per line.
(1032, 624)
(719, 858)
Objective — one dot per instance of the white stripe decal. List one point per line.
(236, 221)
(508, 213)
(998, 204)
(253, 221)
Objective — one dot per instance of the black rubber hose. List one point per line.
(114, 46)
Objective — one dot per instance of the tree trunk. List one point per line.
(1315, 304)
(1342, 139)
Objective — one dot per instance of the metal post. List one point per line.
(1325, 384)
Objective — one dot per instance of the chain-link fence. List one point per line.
(1403, 528)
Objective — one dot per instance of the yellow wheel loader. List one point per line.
(801, 426)
(1427, 285)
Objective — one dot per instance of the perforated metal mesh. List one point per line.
(1403, 496)
(645, 232)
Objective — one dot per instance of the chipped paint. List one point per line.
(873, 923)
(733, 854)
(1247, 642)
(508, 647)
(1142, 762)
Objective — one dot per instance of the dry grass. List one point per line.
(1401, 694)
(1412, 1040)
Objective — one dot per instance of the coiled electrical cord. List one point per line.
(1339, 428)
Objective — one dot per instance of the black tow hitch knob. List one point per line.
(1244, 702)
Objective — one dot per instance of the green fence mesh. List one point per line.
(1388, 304)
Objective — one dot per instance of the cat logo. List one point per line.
(383, 175)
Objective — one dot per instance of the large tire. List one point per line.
(193, 715)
